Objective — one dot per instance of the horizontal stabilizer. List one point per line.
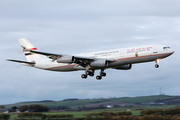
(30, 63)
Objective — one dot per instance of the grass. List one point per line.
(81, 114)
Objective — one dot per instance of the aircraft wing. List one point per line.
(46, 54)
(83, 61)
(30, 63)
(50, 55)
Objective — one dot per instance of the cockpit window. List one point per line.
(166, 47)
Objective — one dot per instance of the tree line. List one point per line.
(172, 111)
(41, 116)
(91, 116)
(33, 108)
(134, 117)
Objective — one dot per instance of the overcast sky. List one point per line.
(79, 26)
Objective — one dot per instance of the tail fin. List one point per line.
(25, 44)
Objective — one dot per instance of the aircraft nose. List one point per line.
(172, 51)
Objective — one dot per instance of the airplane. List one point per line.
(119, 59)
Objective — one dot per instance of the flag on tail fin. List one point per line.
(26, 45)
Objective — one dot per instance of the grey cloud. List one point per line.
(86, 9)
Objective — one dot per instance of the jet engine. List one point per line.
(66, 59)
(124, 67)
(99, 63)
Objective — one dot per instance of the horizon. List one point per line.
(87, 98)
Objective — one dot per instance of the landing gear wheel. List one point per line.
(156, 66)
(88, 72)
(84, 76)
(98, 77)
(91, 74)
(103, 74)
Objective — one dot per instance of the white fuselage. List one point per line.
(121, 57)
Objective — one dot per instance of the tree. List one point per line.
(4, 116)
(61, 108)
(34, 108)
(2, 107)
(13, 109)
(23, 108)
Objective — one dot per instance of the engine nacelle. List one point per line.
(99, 63)
(66, 59)
(124, 67)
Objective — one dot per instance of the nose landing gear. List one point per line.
(156, 66)
(157, 61)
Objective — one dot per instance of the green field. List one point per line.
(81, 114)
(76, 114)
(135, 109)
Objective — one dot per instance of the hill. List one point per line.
(74, 103)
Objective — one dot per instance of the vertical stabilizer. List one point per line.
(25, 44)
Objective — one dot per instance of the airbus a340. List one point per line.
(119, 59)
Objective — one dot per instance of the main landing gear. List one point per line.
(102, 74)
(157, 61)
(91, 73)
(88, 72)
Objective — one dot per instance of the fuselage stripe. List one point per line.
(60, 67)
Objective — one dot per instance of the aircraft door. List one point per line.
(155, 50)
(122, 53)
